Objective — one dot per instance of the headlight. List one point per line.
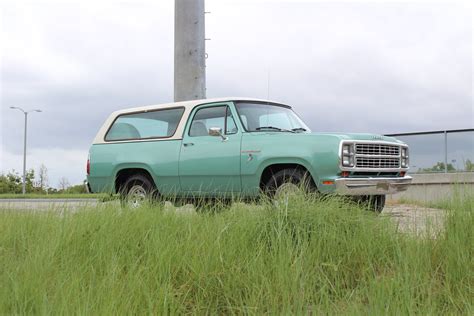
(404, 152)
(405, 157)
(346, 149)
(347, 155)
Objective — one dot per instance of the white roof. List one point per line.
(188, 105)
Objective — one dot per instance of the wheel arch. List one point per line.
(270, 167)
(124, 172)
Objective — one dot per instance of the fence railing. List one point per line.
(440, 151)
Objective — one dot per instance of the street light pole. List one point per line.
(189, 50)
(24, 143)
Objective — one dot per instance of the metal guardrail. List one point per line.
(424, 154)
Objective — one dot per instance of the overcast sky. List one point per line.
(348, 67)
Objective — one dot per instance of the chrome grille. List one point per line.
(377, 149)
(372, 162)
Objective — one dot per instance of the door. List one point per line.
(210, 165)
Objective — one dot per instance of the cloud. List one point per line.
(366, 62)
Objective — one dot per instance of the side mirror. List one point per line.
(217, 131)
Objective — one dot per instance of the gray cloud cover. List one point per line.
(386, 67)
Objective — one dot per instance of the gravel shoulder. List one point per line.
(415, 219)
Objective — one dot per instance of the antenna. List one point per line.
(268, 84)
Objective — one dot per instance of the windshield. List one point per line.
(258, 117)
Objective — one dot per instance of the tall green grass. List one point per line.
(306, 256)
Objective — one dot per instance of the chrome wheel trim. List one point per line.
(136, 196)
(283, 193)
(286, 189)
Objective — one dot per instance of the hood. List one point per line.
(362, 136)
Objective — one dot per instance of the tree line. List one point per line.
(36, 182)
(441, 167)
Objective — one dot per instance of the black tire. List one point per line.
(294, 176)
(137, 189)
(376, 203)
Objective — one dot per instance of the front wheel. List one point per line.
(287, 182)
(376, 202)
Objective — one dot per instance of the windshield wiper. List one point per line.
(273, 128)
(299, 129)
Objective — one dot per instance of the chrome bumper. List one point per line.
(87, 186)
(371, 186)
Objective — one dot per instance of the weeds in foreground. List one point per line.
(302, 256)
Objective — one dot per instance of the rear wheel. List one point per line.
(137, 190)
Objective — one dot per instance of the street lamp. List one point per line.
(24, 142)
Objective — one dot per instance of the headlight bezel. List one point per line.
(347, 155)
(404, 157)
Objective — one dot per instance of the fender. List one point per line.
(133, 165)
(287, 160)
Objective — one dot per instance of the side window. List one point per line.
(216, 116)
(244, 121)
(153, 124)
(231, 128)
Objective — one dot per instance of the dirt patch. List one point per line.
(414, 219)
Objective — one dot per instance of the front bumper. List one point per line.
(372, 186)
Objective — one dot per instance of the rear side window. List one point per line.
(153, 124)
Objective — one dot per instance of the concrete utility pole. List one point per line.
(189, 50)
(24, 142)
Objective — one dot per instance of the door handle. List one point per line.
(188, 144)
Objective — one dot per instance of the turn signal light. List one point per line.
(345, 174)
(402, 174)
(328, 182)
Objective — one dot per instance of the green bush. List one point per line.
(12, 182)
